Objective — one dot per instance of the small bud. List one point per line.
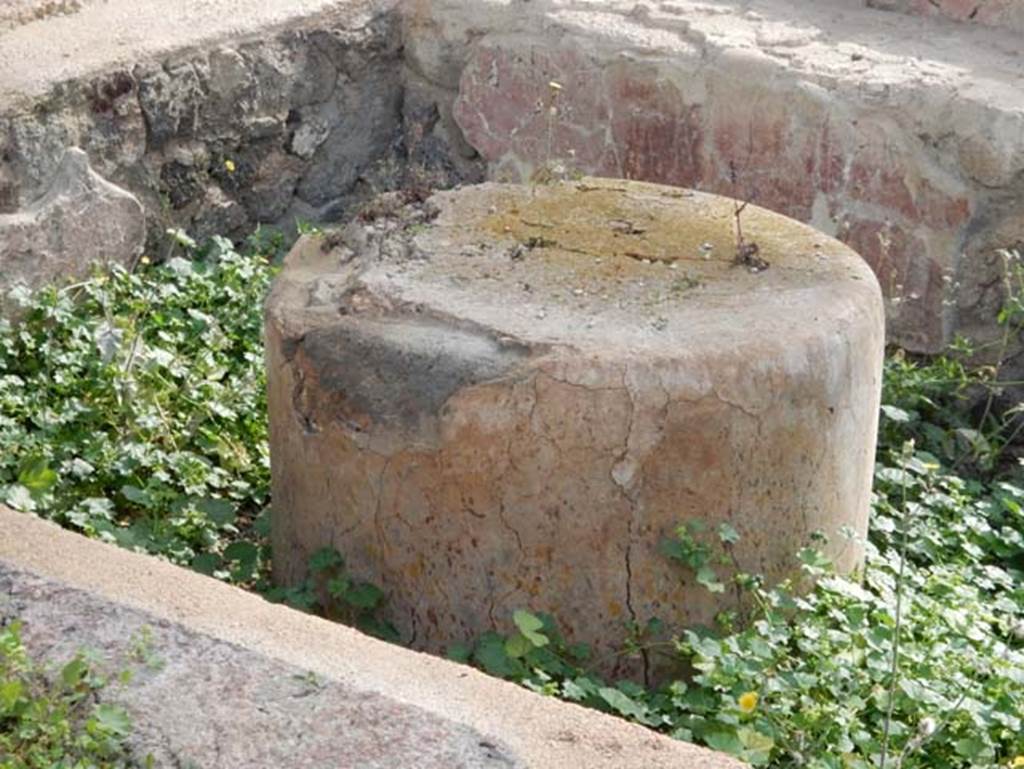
(926, 727)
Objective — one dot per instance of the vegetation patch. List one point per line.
(133, 408)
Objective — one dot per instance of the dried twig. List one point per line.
(746, 252)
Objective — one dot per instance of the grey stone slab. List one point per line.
(199, 702)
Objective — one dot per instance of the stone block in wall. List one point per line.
(80, 221)
(903, 135)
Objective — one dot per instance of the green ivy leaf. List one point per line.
(338, 586)
(10, 693)
(363, 595)
(73, 673)
(728, 534)
(973, 748)
(518, 645)
(219, 512)
(206, 563)
(579, 652)
(757, 747)
(490, 654)
(707, 577)
(894, 414)
(20, 498)
(725, 739)
(137, 495)
(530, 626)
(673, 548)
(622, 703)
(459, 652)
(245, 553)
(573, 691)
(385, 631)
(324, 559)
(262, 523)
(36, 476)
(113, 720)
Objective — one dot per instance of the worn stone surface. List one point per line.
(199, 702)
(80, 220)
(512, 404)
(1008, 14)
(243, 680)
(14, 13)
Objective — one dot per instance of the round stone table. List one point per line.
(508, 397)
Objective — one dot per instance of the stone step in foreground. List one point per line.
(508, 397)
(226, 680)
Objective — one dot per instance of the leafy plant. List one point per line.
(330, 591)
(55, 719)
(132, 408)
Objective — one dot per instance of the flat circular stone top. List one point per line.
(596, 264)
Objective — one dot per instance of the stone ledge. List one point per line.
(391, 707)
(95, 37)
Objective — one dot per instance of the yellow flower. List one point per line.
(1017, 762)
(144, 260)
(230, 165)
(747, 701)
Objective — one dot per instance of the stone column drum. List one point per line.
(508, 396)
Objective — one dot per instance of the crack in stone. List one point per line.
(300, 406)
(735, 405)
(504, 521)
(631, 520)
(634, 255)
(414, 621)
(378, 529)
(578, 385)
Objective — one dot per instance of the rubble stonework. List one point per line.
(301, 124)
(510, 397)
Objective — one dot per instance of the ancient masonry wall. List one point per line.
(899, 134)
(304, 123)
